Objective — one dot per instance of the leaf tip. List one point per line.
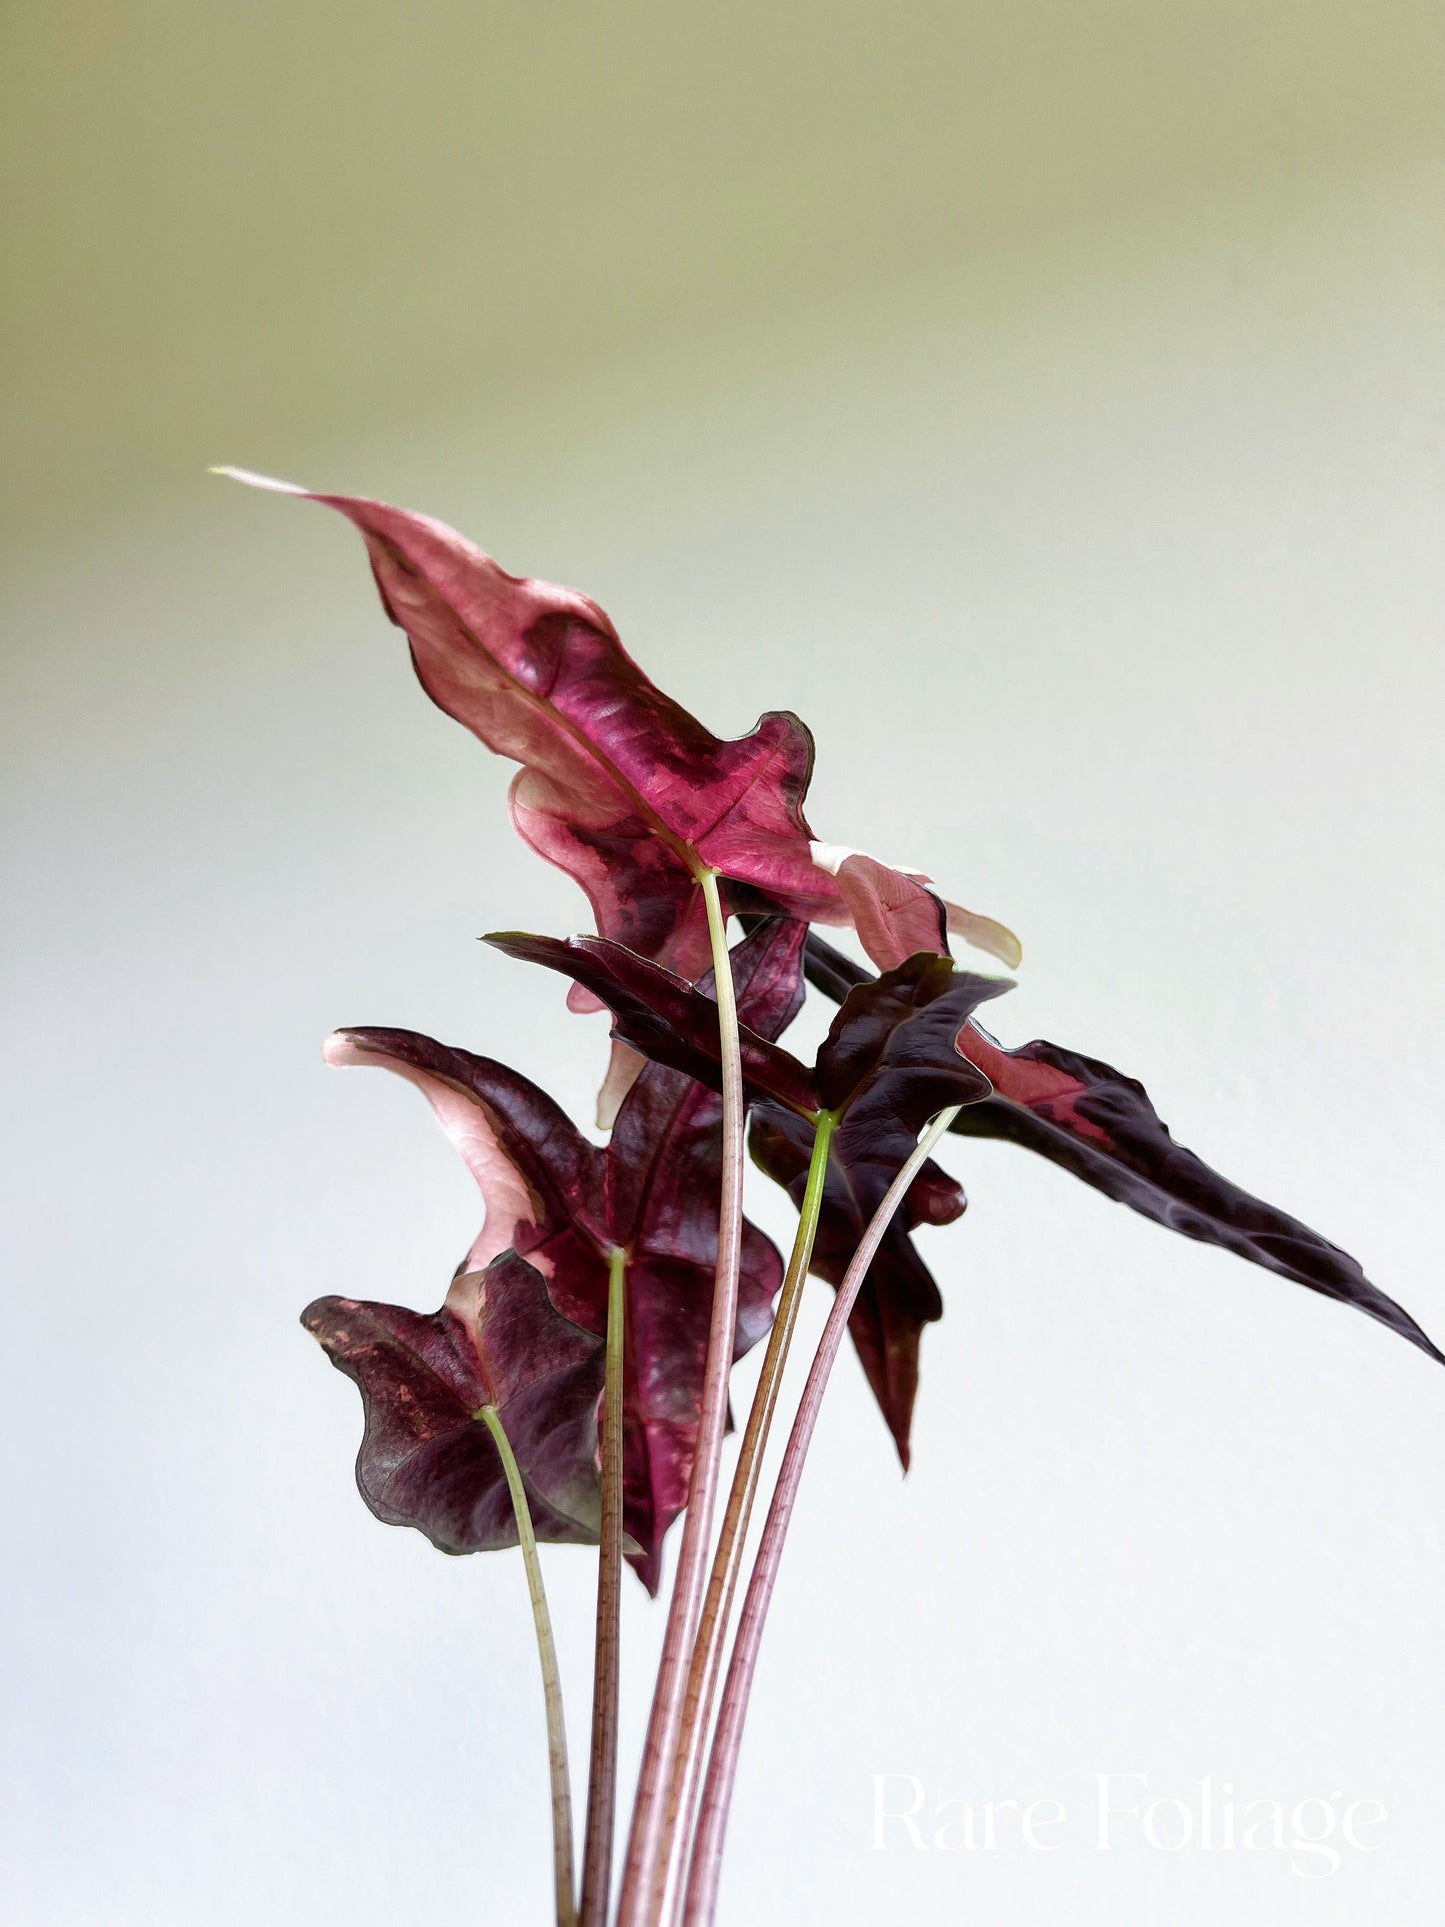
(318, 1318)
(340, 1048)
(995, 939)
(252, 479)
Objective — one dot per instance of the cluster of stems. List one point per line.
(685, 1784)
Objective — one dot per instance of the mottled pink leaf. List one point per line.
(895, 919)
(619, 785)
(892, 914)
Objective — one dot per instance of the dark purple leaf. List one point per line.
(887, 1065)
(426, 1458)
(541, 1181)
(663, 1173)
(662, 1017)
(663, 1196)
(619, 785)
(1100, 1126)
(564, 1204)
(899, 1296)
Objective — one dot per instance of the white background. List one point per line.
(1090, 515)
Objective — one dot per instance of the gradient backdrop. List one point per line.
(1048, 402)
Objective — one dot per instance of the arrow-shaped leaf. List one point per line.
(619, 785)
(1100, 1126)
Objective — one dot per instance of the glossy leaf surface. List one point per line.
(1100, 1126)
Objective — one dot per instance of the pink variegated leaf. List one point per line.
(1100, 1126)
(895, 917)
(619, 785)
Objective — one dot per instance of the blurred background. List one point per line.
(1046, 401)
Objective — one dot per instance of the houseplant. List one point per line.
(573, 1387)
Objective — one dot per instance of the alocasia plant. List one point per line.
(573, 1386)
(566, 1205)
(887, 1065)
(619, 785)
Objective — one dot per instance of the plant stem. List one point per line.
(641, 1902)
(551, 1682)
(602, 1771)
(727, 1559)
(722, 1762)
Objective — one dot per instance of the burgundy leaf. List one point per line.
(887, 1065)
(542, 1182)
(1099, 1125)
(426, 1458)
(664, 1166)
(663, 1189)
(662, 1017)
(889, 1062)
(899, 1296)
(619, 785)
(767, 972)
(565, 1204)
